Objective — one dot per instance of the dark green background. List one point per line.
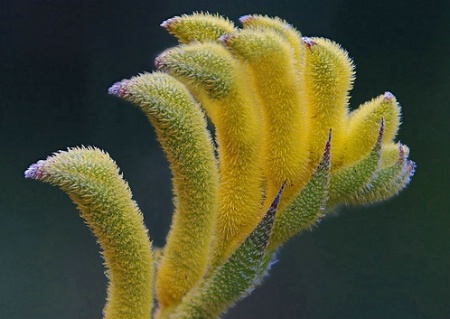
(57, 59)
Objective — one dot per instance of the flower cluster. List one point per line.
(286, 151)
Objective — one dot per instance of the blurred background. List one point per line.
(57, 60)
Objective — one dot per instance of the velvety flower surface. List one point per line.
(287, 150)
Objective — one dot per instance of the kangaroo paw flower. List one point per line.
(309, 205)
(181, 128)
(198, 27)
(364, 123)
(328, 76)
(92, 180)
(281, 27)
(236, 278)
(278, 104)
(390, 180)
(347, 183)
(219, 83)
(285, 114)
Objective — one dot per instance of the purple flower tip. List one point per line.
(118, 88)
(169, 22)
(158, 62)
(388, 95)
(225, 39)
(308, 41)
(245, 18)
(412, 168)
(163, 59)
(401, 153)
(35, 170)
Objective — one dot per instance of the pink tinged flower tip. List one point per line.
(308, 41)
(169, 22)
(411, 168)
(401, 155)
(119, 88)
(388, 95)
(35, 171)
(159, 61)
(225, 39)
(246, 18)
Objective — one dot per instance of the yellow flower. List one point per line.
(287, 151)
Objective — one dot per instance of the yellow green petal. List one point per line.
(364, 123)
(349, 182)
(181, 129)
(329, 75)
(308, 206)
(222, 86)
(93, 182)
(284, 29)
(390, 180)
(390, 153)
(236, 278)
(198, 27)
(285, 115)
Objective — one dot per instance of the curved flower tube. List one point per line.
(286, 152)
